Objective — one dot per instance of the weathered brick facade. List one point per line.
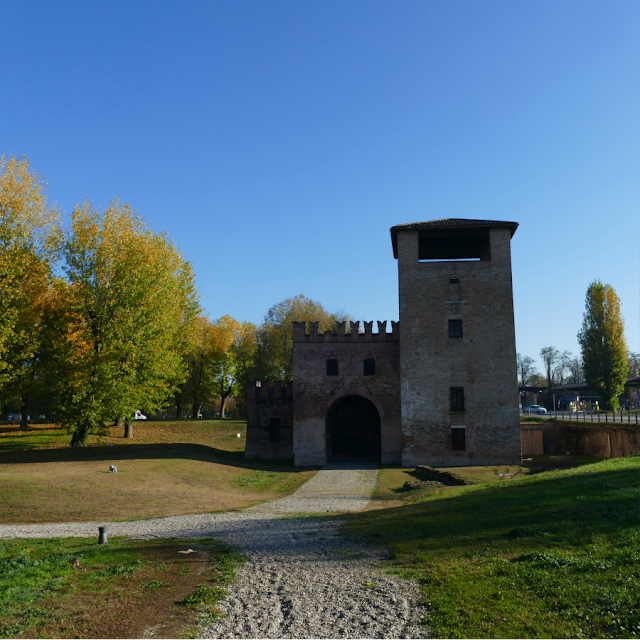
(269, 421)
(440, 389)
(316, 394)
(482, 362)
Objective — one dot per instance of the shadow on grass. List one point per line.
(115, 453)
(587, 503)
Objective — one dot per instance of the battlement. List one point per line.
(300, 335)
(263, 389)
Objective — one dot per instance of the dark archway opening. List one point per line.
(353, 430)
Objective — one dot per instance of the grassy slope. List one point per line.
(168, 468)
(555, 554)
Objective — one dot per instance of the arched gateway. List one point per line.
(353, 430)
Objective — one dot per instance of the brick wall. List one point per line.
(590, 440)
(315, 392)
(482, 362)
(266, 404)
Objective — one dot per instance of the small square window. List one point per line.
(369, 367)
(457, 398)
(458, 439)
(455, 328)
(332, 367)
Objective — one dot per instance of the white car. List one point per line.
(535, 408)
(139, 416)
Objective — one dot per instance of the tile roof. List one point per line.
(448, 223)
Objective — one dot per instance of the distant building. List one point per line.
(439, 389)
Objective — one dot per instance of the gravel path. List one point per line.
(301, 579)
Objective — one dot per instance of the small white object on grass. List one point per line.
(188, 551)
(238, 435)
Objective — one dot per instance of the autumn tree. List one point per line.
(226, 332)
(29, 241)
(604, 350)
(245, 349)
(200, 386)
(274, 357)
(126, 317)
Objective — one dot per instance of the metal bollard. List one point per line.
(102, 538)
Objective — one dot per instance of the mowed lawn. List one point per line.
(547, 555)
(168, 468)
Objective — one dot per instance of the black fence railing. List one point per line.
(606, 417)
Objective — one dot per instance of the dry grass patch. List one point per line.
(167, 469)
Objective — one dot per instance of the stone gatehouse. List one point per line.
(439, 389)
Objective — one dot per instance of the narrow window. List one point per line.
(332, 367)
(369, 367)
(274, 429)
(457, 398)
(458, 439)
(455, 328)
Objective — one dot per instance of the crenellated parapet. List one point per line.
(265, 390)
(341, 335)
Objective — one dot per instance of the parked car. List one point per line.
(535, 408)
(139, 416)
(16, 417)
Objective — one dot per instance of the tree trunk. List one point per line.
(195, 410)
(222, 401)
(128, 429)
(79, 437)
(24, 419)
(179, 407)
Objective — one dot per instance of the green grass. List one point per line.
(552, 555)
(39, 585)
(524, 419)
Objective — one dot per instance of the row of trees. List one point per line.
(97, 317)
(102, 318)
(604, 363)
(227, 354)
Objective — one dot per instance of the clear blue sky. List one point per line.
(278, 141)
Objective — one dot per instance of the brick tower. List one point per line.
(458, 379)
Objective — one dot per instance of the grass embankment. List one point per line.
(550, 555)
(74, 588)
(168, 468)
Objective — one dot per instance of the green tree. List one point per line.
(227, 333)
(125, 319)
(633, 360)
(29, 243)
(604, 350)
(274, 357)
(549, 356)
(245, 350)
(526, 369)
(200, 387)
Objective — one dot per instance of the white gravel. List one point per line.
(301, 579)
